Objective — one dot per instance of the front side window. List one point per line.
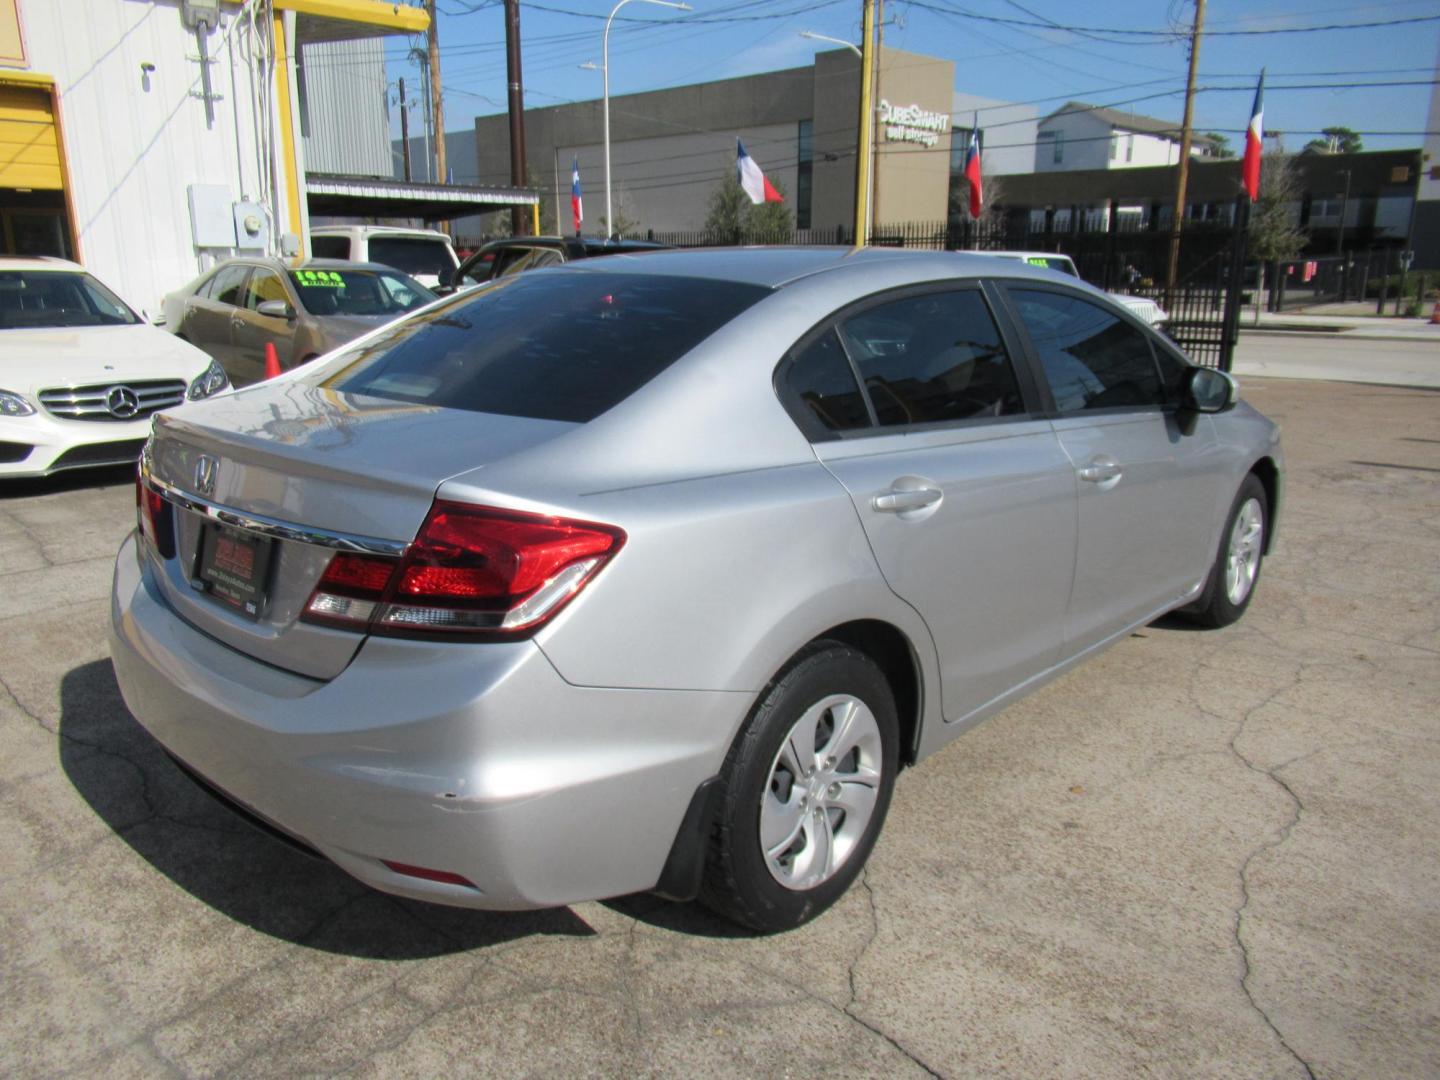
(1092, 359)
(57, 298)
(932, 358)
(563, 346)
(264, 285)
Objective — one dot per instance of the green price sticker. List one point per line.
(1044, 264)
(328, 279)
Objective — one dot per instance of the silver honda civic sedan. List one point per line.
(652, 572)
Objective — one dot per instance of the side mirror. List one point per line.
(1209, 391)
(1205, 391)
(275, 309)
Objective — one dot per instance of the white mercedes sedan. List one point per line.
(81, 374)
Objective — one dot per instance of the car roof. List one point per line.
(774, 267)
(1023, 254)
(379, 230)
(282, 265)
(40, 262)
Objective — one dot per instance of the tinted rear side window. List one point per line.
(820, 380)
(930, 358)
(411, 254)
(552, 346)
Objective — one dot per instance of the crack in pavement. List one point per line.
(1298, 809)
(849, 1007)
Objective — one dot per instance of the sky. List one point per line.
(1130, 53)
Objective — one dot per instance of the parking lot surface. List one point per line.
(1202, 854)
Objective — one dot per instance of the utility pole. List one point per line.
(518, 214)
(404, 128)
(1183, 172)
(437, 104)
(867, 113)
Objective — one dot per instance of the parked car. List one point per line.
(302, 307)
(501, 258)
(652, 573)
(81, 373)
(424, 254)
(1142, 306)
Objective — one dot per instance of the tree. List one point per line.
(1274, 232)
(1221, 144)
(732, 218)
(1335, 140)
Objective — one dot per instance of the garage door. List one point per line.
(29, 149)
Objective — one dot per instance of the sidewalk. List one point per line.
(1371, 327)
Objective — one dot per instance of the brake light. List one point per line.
(472, 571)
(153, 512)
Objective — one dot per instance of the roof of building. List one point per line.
(1125, 121)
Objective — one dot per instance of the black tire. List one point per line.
(1215, 607)
(738, 883)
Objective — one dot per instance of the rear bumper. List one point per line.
(475, 760)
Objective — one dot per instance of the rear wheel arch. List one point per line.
(892, 651)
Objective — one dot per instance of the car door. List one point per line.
(206, 321)
(253, 331)
(966, 498)
(1147, 491)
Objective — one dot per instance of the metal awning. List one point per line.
(359, 196)
(340, 20)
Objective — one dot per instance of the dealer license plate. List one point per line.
(234, 566)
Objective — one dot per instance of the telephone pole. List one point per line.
(863, 142)
(437, 104)
(404, 128)
(518, 214)
(1183, 172)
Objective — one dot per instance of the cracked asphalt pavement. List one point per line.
(1202, 854)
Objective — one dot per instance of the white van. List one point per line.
(424, 254)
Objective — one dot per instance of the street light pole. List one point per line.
(605, 70)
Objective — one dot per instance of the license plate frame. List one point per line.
(234, 567)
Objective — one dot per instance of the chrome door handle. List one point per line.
(1100, 470)
(900, 502)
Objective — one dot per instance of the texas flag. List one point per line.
(577, 210)
(972, 170)
(1254, 141)
(752, 179)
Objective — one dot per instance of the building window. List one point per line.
(1114, 147)
(1056, 142)
(1130, 147)
(804, 173)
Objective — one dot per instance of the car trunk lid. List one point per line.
(265, 485)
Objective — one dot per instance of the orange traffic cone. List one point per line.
(1435, 313)
(272, 360)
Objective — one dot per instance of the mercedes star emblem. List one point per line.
(122, 402)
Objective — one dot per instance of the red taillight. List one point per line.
(472, 571)
(153, 512)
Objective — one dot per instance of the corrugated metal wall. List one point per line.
(343, 112)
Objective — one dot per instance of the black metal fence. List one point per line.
(1203, 307)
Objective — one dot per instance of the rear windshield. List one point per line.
(553, 345)
(412, 254)
(58, 298)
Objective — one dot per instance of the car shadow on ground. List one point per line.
(72, 480)
(249, 876)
